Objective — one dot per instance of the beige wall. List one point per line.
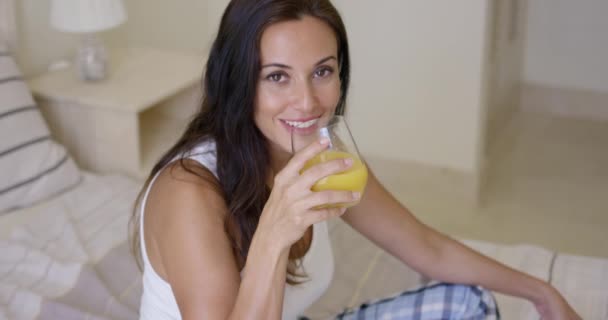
(179, 25)
(182, 25)
(506, 38)
(215, 10)
(38, 44)
(417, 79)
(417, 67)
(566, 44)
(417, 70)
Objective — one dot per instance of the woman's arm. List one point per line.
(383, 220)
(188, 247)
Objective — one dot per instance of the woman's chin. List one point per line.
(281, 148)
(286, 149)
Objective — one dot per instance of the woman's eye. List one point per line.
(276, 77)
(323, 72)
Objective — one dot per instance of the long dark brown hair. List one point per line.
(226, 116)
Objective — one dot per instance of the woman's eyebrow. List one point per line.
(280, 65)
(284, 66)
(325, 60)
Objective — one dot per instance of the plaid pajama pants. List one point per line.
(438, 301)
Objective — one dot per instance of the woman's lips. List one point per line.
(300, 131)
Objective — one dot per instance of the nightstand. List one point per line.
(124, 123)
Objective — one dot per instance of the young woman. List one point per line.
(225, 223)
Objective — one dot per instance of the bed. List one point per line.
(63, 232)
(369, 273)
(65, 250)
(68, 256)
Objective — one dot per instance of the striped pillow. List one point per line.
(32, 166)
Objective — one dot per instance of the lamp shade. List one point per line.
(84, 16)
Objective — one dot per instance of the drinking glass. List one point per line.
(341, 146)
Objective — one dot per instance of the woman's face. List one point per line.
(299, 81)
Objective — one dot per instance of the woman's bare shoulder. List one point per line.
(190, 249)
(186, 185)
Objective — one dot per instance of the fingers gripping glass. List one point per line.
(341, 146)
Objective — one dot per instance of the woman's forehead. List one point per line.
(302, 41)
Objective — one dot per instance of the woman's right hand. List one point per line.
(289, 210)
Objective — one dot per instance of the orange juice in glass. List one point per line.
(341, 146)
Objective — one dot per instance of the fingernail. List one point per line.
(348, 161)
(324, 141)
(356, 195)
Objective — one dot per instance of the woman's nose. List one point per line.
(306, 100)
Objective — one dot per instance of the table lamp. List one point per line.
(88, 17)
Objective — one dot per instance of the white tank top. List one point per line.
(158, 301)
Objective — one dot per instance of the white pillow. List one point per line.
(32, 166)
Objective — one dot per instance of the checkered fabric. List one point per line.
(437, 301)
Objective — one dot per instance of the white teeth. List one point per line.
(302, 125)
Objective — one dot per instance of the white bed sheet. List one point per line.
(69, 257)
(13, 219)
(364, 273)
(100, 263)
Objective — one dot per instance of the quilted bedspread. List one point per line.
(72, 260)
